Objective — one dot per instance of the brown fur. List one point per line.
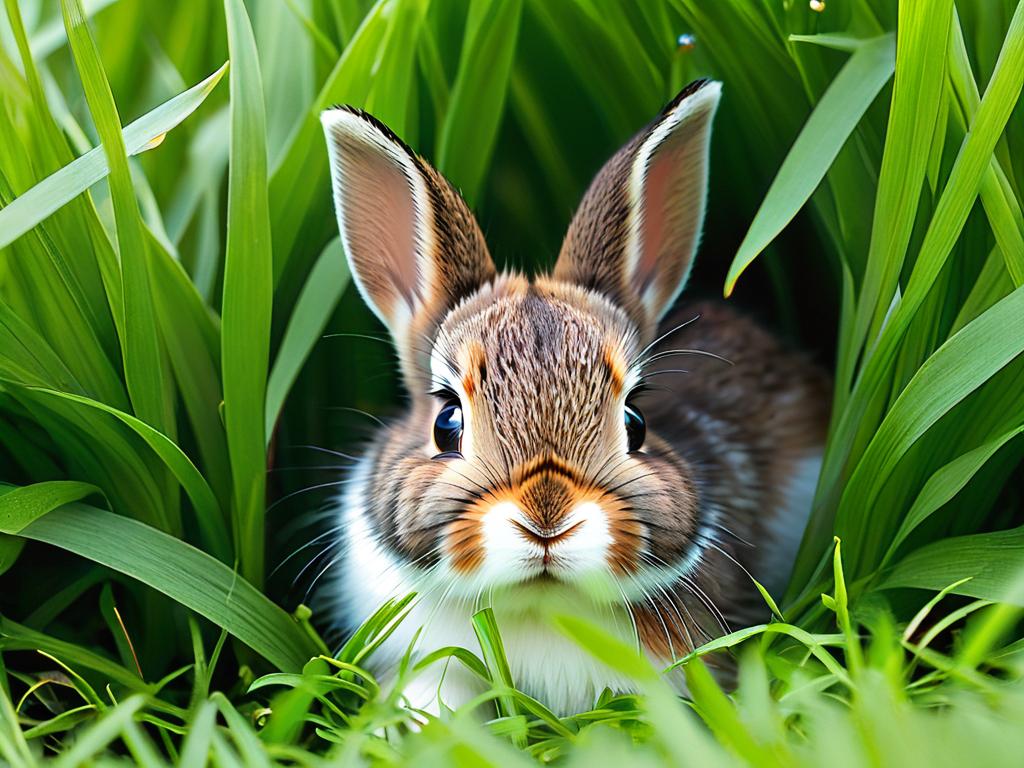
(546, 366)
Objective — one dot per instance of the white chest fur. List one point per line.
(544, 663)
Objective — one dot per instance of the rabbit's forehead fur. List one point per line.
(542, 368)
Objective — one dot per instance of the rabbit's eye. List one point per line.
(636, 427)
(448, 427)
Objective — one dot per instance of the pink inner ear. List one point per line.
(659, 177)
(380, 225)
(671, 215)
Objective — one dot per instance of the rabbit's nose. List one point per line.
(546, 500)
(546, 537)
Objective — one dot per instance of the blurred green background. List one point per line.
(866, 181)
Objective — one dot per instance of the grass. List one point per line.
(175, 317)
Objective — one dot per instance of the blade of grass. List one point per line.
(208, 514)
(180, 571)
(143, 361)
(828, 128)
(320, 295)
(20, 506)
(56, 189)
(957, 368)
(101, 734)
(493, 651)
(921, 52)
(944, 485)
(248, 286)
(947, 222)
(992, 561)
(478, 95)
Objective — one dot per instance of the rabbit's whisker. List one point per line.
(661, 338)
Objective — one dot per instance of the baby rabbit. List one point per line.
(553, 456)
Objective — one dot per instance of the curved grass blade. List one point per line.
(946, 224)
(827, 129)
(140, 344)
(944, 485)
(917, 93)
(989, 566)
(961, 365)
(20, 506)
(180, 571)
(208, 513)
(100, 734)
(37, 203)
(16, 637)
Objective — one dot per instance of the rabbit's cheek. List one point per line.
(502, 544)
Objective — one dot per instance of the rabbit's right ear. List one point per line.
(636, 231)
(413, 246)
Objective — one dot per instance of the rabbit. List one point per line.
(555, 456)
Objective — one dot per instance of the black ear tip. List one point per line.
(351, 109)
(688, 90)
(327, 115)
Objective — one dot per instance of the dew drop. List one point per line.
(686, 42)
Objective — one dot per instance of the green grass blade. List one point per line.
(944, 485)
(20, 506)
(946, 224)
(51, 36)
(248, 286)
(36, 204)
(493, 652)
(141, 346)
(990, 564)
(249, 745)
(183, 573)
(395, 70)
(301, 175)
(208, 513)
(957, 368)
(192, 340)
(478, 95)
(831, 123)
(26, 358)
(320, 295)
(16, 637)
(10, 550)
(196, 746)
(921, 52)
(101, 734)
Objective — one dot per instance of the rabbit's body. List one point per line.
(524, 475)
(753, 456)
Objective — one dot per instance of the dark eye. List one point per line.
(448, 427)
(636, 427)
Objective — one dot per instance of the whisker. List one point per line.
(661, 338)
(335, 483)
(328, 450)
(335, 530)
(676, 352)
(358, 411)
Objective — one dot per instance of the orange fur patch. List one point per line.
(616, 369)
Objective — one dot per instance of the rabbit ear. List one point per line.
(413, 246)
(635, 233)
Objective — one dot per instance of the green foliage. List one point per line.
(176, 317)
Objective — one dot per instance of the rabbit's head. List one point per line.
(523, 455)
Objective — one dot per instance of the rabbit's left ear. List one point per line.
(635, 234)
(413, 246)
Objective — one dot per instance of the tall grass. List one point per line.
(175, 318)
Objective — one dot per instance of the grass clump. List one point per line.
(163, 289)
